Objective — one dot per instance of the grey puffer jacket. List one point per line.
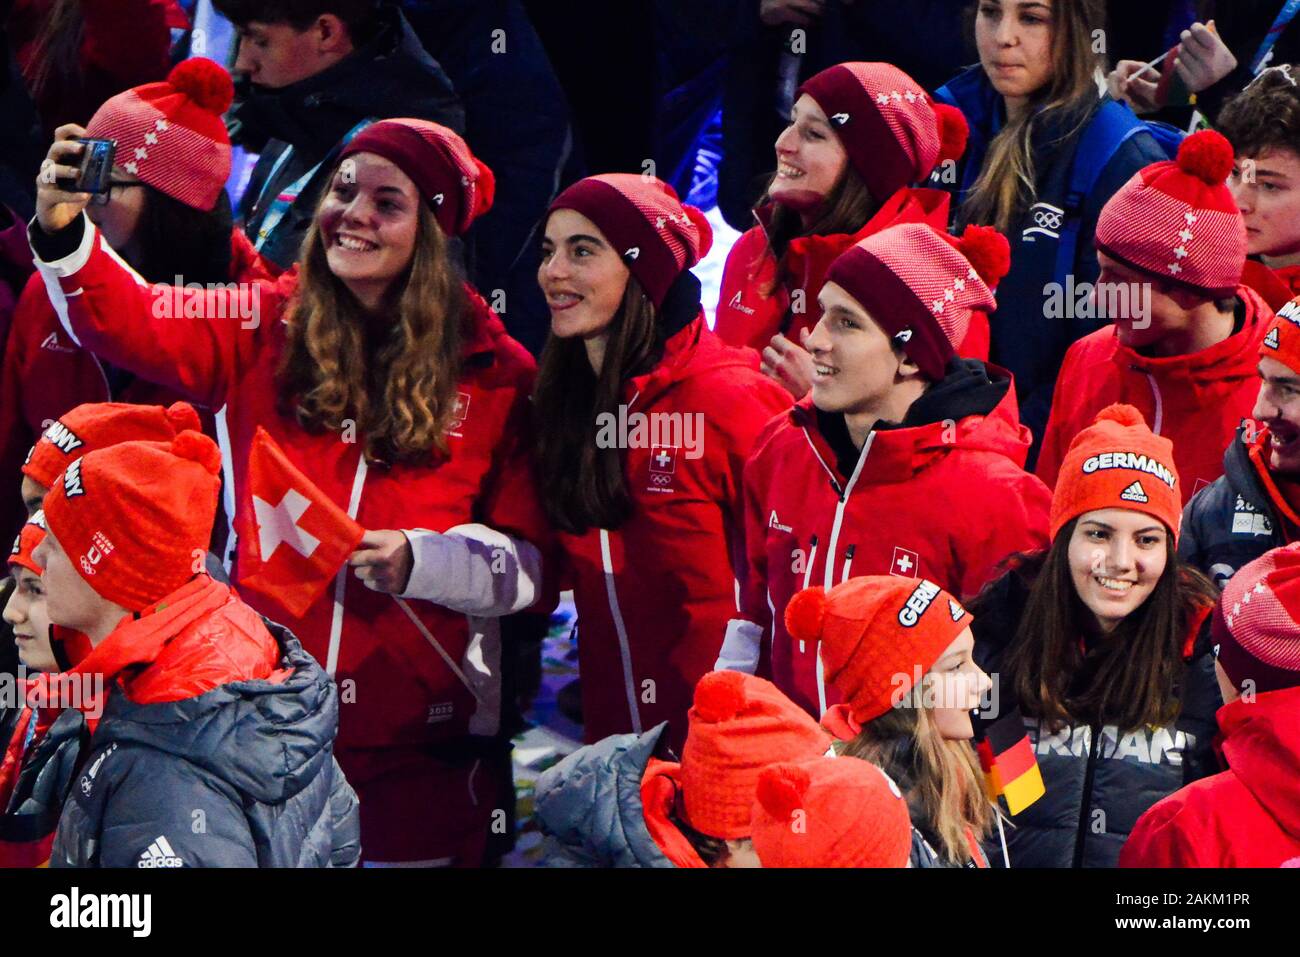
(241, 776)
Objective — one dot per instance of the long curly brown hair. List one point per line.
(393, 380)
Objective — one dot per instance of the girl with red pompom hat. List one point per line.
(1185, 336)
(904, 459)
(644, 419)
(1102, 642)
(860, 136)
(386, 378)
(166, 214)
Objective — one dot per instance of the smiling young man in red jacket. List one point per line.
(1185, 349)
(1249, 815)
(904, 459)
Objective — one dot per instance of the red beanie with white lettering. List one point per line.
(877, 632)
(921, 286)
(1176, 221)
(652, 230)
(97, 425)
(892, 130)
(1117, 462)
(135, 518)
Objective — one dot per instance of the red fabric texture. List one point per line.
(135, 518)
(673, 560)
(947, 502)
(440, 163)
(1246, 816)
(21, 555)
(1196, 401)
(1139, 473)
(1257, 625)
(171, 134)
(877, 635)
(1282, 341)
(1276, 287)
(739, 724)
(656, 234)
(660, 786)
(753, 306)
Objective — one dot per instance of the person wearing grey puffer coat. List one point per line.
(242, 775)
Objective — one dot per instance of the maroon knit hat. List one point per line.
(1257, 621)
(656, 234)
(451, 178)
(921, 286)
(892, 130)
(171, 134)
(1177, 222)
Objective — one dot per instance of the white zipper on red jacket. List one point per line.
(341, 580)
(807, 577)
(1159, 419)
(615, 612)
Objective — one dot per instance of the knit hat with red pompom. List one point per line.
(1177, 222)
(449, 177)
(1282, 341)
(135, 518)
(171, 134)
(738, 725)
(1257, 622)
(877, 633)
(921, 286)
(893, 132)
(1117, 462)
(657, 236)
(28, 538)
(839, 812)
(97, 425)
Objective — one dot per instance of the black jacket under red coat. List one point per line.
(1098, 785)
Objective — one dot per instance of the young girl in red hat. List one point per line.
(389, 381)
(860, 136)
(1101, 641)
(899, 652)
(644, 418)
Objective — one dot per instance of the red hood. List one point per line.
(692, 350)
(897, 454)
(1261, 742)
(1235, 358)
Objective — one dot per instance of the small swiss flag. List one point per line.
(297, 538)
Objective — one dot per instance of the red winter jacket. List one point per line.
(1197, 401)
(398, 690)
(946, 499)
(1248, 816)
(1276, 287)
(124, 43)
(752, 308)
(45, 374)
(654, 596)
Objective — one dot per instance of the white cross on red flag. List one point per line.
(297, 537)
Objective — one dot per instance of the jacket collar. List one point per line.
(1235, 357)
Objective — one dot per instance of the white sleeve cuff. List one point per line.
(740, 647)
(473, 569)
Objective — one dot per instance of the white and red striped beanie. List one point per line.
(894, 133)
(655, 233)
(921, 286)
(455, 182)
(171, 134)
(1177, 222)
(1257, 622)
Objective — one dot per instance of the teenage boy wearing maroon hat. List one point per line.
(1172, 248)
(190, 670)
(1254, 506)
(903, 460)
(1248, 815)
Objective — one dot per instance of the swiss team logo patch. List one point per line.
(663, 465)
(904, 563)
(459, 413)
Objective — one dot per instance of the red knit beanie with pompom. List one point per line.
(135, 518)
(1176, 221)
(171, 134)
(738, 725)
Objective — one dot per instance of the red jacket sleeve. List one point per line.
(1160, 839)
(1020, 524)
(1060, 428)
(732, 323)
(196, 341)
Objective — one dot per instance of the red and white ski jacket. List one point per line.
(481, 496)
(946, 499)
(654, 596)
(1197, 401)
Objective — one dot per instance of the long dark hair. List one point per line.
(1131, 677)
(582, 484)
(174, 239)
